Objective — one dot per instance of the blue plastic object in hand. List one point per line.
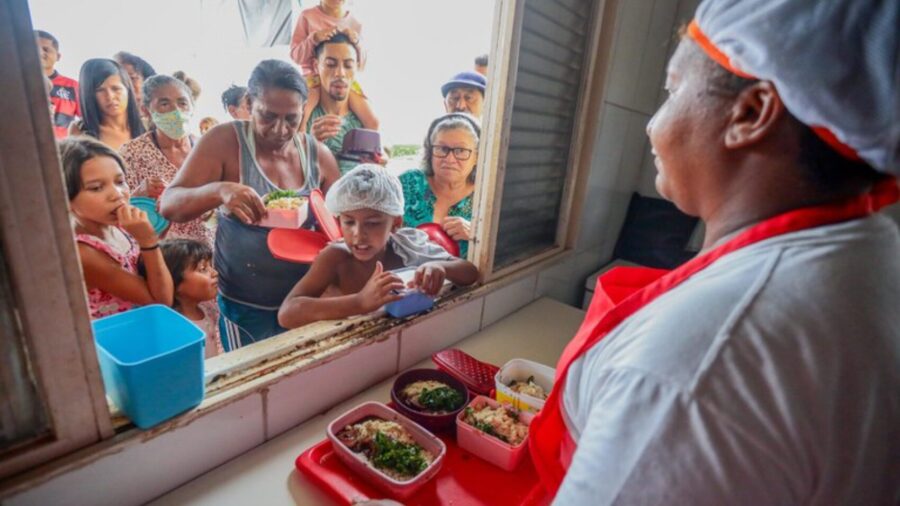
(413, 302)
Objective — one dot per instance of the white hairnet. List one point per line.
(368, 186)
(834, 63)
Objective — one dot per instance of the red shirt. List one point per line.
(64, 98)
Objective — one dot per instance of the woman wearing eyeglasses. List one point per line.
(441, 191)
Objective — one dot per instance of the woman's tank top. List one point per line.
(248, 273)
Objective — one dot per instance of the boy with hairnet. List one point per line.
(353, 277)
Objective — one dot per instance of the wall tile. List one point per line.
(144, 471)
(508, 300)
(309, 393)
(438, 332)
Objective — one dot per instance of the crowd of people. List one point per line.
(124, 132)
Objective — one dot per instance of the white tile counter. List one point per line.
(266, 474)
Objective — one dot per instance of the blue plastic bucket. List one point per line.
(151, 359)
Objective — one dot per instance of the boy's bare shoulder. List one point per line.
(335, 253)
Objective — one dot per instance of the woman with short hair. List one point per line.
(232, 166)
(442, 190)
(154, 158)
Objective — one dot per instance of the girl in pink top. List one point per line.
(318, 24)
(110, 233)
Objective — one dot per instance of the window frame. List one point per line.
(44, 272)
(495, 143)
(66, 368)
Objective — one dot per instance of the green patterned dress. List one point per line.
(419, 207)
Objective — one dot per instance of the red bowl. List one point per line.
(428, 420)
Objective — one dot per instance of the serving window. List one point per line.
(542, 60)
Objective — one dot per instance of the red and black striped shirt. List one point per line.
(64, 98)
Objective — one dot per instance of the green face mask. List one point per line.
(173, 123)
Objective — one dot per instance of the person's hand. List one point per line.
(136, 223)
(326, 127)
(242, 202)
(152, 187)
(381, 289)
(351, 34)
(429, 278)
(459, 229)
(324, 34)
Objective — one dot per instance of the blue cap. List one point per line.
(468, 79)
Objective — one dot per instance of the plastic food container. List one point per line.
(489, 448)
(430, 421)
(413, 302)
(360, 465)
(151, 360)
(520, 369)
(286, 218)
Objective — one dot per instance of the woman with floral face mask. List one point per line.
(155, 157)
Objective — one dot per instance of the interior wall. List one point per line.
(621, 162)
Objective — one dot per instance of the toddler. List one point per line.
(110, 233)
(196, 285)
(353, 276)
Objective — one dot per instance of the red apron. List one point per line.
(550, 443)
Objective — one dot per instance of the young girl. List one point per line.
(196, 285)
(352, 277)
(111, 234)
(318, 24)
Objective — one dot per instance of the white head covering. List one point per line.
(834, 62)
(367, 186)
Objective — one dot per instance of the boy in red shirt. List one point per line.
(64, 93)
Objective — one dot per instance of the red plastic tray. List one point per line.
(464, 480)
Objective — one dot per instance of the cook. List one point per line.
(764, 371)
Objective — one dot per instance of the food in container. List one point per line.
(285, 209)
(493, 431)
(388, 446)
(528, 387)
(501, 422)
(524, 384)
(429, 397)
(432, 396)
(386, 449)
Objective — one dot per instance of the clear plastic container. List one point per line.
(519, 369)
(489, 448)
(360, 465)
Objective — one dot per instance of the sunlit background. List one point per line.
(413, 47)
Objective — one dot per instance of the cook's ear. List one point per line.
(755, 114)
(398, 222)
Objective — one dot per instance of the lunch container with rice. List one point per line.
(519, 369)
(287, 218)
(300, 244)
(359, 464)
(487, 447)
(431, 421)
